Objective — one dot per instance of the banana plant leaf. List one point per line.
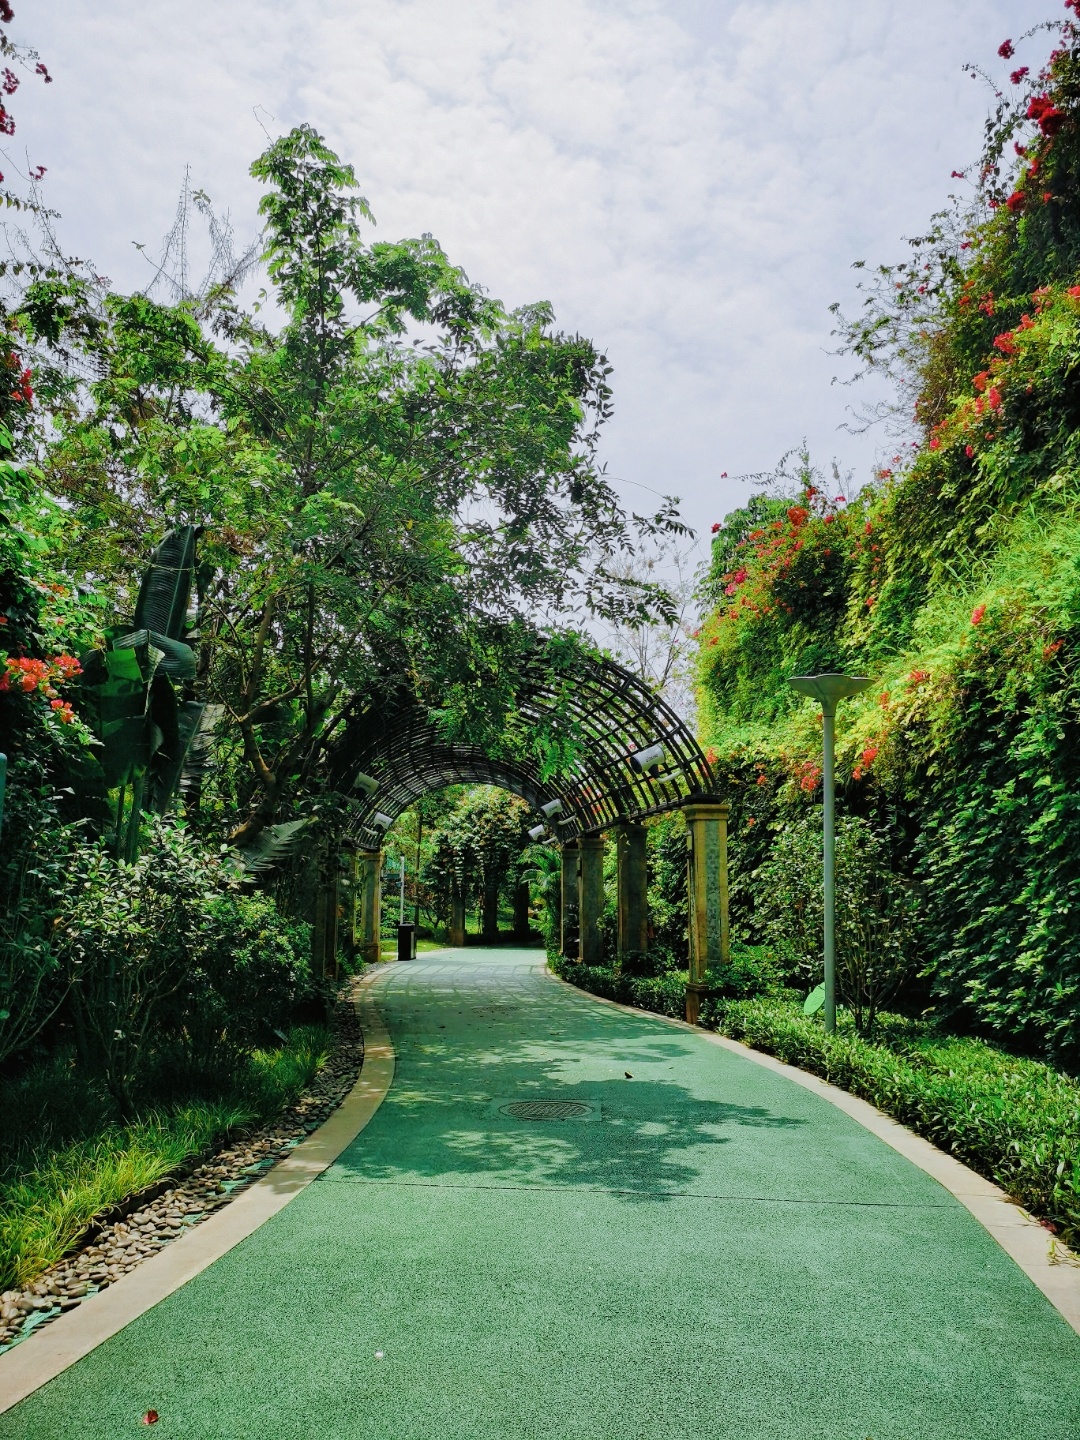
(177, 660)
(172, 754)
(165, 591)
(274, 843)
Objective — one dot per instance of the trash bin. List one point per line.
(406, 942)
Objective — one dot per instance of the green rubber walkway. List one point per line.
(707, 1250)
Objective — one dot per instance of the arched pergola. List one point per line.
(629, 756)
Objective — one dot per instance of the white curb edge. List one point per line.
(1047, 1263)
(41, 1357)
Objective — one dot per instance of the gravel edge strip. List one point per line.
(130, 1233)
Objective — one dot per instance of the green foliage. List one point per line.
(167, 947)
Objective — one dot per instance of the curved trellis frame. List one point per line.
(612, 714)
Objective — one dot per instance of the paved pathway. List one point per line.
(709, 1251)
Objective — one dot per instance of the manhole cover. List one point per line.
(545, 1109)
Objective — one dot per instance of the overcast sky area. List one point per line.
(687, 181)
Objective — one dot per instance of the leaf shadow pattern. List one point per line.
(472, 1037)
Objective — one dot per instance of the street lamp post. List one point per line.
(828, 689)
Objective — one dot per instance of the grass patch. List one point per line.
(1013, 1120)
(66, 1156)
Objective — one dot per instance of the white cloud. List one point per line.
(687, 182)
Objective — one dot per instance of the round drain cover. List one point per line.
(545, 1109)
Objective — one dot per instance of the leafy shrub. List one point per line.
(874, 912)
(168, 947)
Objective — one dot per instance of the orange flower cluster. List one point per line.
(23, 675)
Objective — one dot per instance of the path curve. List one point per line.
(706, 1249)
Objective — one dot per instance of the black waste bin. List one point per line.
(406, 942)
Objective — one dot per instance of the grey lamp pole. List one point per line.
(828, 689)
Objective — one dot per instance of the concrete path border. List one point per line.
(62, 1342)
(1047, 1263)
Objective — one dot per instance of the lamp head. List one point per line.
(365, 783)
(553, 807)
(536, 833)
(382, 821)
(830, 687)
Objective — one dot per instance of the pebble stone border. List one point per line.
(114, 1245)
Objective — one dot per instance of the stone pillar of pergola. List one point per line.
(568, 900)
(633, 900)
(706, 825)
(368, 903)
(590, 899)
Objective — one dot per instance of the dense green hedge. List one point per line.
(1015, 1121)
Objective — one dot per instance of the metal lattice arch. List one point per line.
(613, 716)
(629, 757)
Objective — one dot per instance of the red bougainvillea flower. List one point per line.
(1050, 650)
(716, 526)
(1017, 75)
(993, 398)
(969, 451)
(869, 755)
(918, 676)
(935, 443)
(710, 755)
(1074, 291)
(762, 779)
(798, 515)
(1046, 114)
(978, 614)
(1016, 202)
(1005, 343)
(1047, 196)
(981, 380)
(1026, 323)
(1005, 50)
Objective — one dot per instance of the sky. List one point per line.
(688, 182)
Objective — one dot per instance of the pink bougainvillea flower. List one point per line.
(969, 451)
(1017, 75)
(1005, 50)
(716, 526)
(978, 614)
